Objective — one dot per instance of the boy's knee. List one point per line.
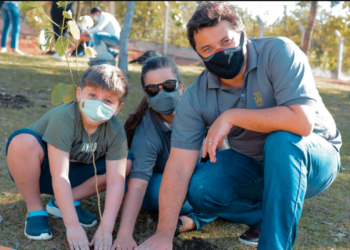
(24, 144)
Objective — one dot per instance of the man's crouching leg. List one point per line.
(295, 168)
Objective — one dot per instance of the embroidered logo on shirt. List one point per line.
(258, 99)
(86, 147)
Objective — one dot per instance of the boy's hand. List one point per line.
(124, 243)
(77, 239)
(98, 242)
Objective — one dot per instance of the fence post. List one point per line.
(340, 53)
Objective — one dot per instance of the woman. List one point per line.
(10, 13)
(149, 132)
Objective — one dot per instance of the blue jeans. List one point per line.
(110, 40)
(150, 203)
(10, 14)
(268, 194)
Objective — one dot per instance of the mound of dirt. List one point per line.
(14, 101)
(194, 244)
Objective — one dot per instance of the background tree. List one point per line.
(310, 26)
(124, 37)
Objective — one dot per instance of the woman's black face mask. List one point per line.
(226, 63)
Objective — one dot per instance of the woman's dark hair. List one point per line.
(95, 9)
(151, 64)
(210, 14)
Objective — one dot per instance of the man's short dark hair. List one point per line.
(95, 9)
(209, 14)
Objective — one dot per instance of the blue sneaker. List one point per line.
(86, 219)
(37, 226)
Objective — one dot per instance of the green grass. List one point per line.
(325, 222)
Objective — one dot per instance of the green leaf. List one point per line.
(61, 45)
(70, 93)
(74, 30)
(67, 14)
(26, 6)
(44, 39)
(90, 52)
(86, 22)
(63, 3)
(57, 93)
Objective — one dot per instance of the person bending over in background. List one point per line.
(107, 30)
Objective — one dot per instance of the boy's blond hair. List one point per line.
(107, 77)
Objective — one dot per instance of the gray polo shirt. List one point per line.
(277, 74)
(150, 146)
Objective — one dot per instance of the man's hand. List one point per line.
(216, 136)
(77, 239)
(159, 241)
(97, 241)
(124, 243)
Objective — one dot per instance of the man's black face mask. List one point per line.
(226, 63)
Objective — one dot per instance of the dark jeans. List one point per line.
(268, 194)
(57, 17)
(150, 203)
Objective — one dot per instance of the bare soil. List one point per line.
(194, 244)
(14, 101)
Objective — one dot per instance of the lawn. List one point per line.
(325, 222)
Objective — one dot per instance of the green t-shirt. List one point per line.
(62, 127)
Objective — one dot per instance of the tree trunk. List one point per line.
(310, 26)
(166, 28)
(285, 20)
(261, 26)
(111, 7)
(77, 13)
(124, 37)
(147, 17)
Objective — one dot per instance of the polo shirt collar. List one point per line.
(162, 124)
(252, 56)
(252, 62)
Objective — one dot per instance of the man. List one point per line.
(107, 30)
(260, 93)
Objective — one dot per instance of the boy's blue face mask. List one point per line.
(165, 102)
(96, 110)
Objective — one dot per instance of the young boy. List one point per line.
(53, 156)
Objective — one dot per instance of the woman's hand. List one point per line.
(97, 241)
(124, 243)
(77, 239)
